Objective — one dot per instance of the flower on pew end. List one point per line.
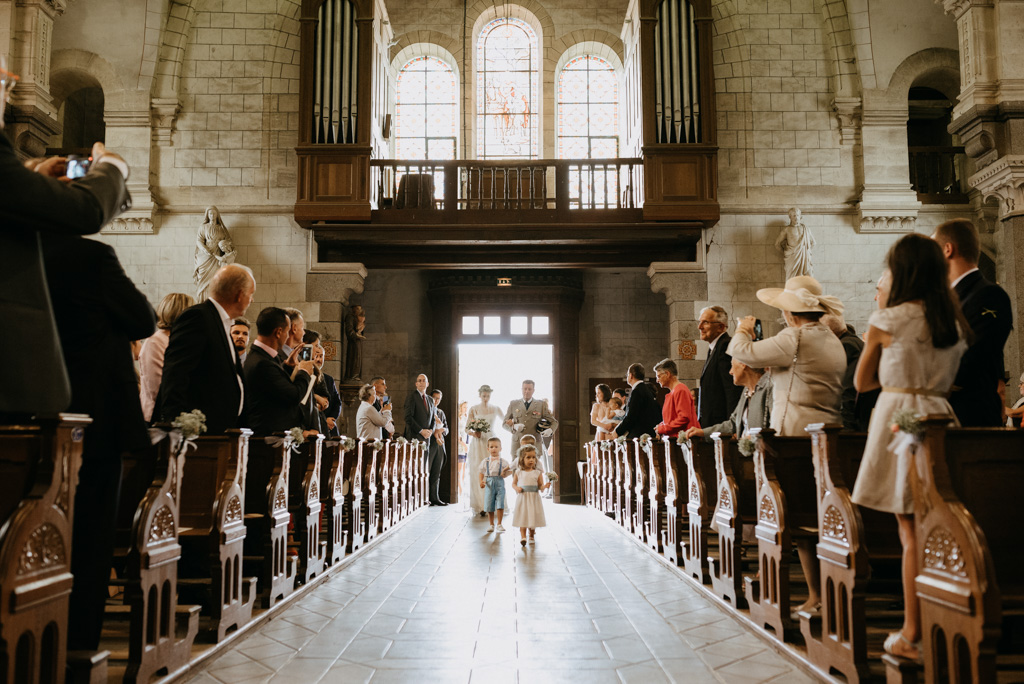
(401, 441)
(747, 446)
(551, 475)
(682, 439)
(645, 439)
(296, 436)
(621, 439)
(376, 445)
(191, 424)
(906, 420)
(347, 443)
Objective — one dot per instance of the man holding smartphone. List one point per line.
(383, 401)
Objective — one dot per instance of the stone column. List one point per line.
(683, 284)
(32, 120)
(332, 285)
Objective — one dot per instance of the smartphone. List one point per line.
(77, 166)
(306, 354)
(758, 332)
(385, 400)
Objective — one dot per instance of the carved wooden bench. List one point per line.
(624, 482)
(653, 457)
(332, 502)
(371, 457)
(39, 464)
(675, 500)
(266, 520)
(734, 476)
(354, 500)
(304, 507)
(640, 487)
(213, 533)
(701, 496)
(384, 492)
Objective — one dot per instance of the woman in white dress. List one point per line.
(478, 442)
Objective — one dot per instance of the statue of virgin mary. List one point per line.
(214, 249)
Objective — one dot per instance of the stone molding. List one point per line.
(164, 113)
(888, 209)
(334, 282)
(849, 113)
(128, 225)
(679, 281)
(958, 7)
(1004, 180)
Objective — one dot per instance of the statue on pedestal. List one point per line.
(214, 249)
(795, 241)
(355, 325)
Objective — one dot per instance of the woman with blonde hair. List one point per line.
(151, 357)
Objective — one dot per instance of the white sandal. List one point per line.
(895, 638)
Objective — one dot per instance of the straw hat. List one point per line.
(802, 293)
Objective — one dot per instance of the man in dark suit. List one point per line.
(419, 419)
(976, 398)
(201, 368)
(99, 312)
(718, 394)
(34, 202)
(438, 452)
(642, 411)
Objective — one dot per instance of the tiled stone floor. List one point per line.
(442, 600)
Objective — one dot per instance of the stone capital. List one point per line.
(888, 209)
(958, 7)
(679, 281)
(848, 111)
(164, 113)
(334, 282)
(1004, 180)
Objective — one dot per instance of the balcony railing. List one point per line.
(561, 186)
(937, 174)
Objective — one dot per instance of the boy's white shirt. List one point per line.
(486, 466)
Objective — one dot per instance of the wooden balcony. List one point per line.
(469, 213)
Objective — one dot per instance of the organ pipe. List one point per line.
(676, 78)
(336, 87)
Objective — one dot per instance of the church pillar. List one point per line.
(683, 284)
(32, 119)
(331, 285)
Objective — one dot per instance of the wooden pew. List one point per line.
(357, 523)
(970, 557)
(332, 502)
(702, 495)
(675, 511)
(384, 465)
(396, 485)
(266, 519)
(402, 507)
(39, 465)
(734, 475)
(424, 479)
(786, 508)
(160, 632)
(371, 456)
(213, 533)
(624, 489)
(304, 507)
(641, 508)
(655, 494)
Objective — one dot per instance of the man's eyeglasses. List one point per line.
(8, 81)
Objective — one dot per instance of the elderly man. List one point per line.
(678, 413)
(642, 412)
(753, 409)
(34, 202)
(717, 395)
(296, 332)
(201, 368)
(529, 416)
(976, 397)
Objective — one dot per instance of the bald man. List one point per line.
(201, 369)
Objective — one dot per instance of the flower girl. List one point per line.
(528, 482)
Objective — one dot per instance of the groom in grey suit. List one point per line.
(523, 416)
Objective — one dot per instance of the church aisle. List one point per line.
(442, 600)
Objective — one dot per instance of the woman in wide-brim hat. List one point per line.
(807, 363)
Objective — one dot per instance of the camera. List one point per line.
(306, 354)
(758, 332)
(77, 166)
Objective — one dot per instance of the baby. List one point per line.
(617, 412)
(493, 472)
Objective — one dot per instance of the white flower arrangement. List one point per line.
(401, 441)
(478, 425)
(191, 424)
(347, 443)
(621, 439)
(296, 436)
(645, 439)
(908, 421)
(552, 476)
(747, 446)
(682, 439)
(376, 445)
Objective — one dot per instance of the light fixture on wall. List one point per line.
(504, 282)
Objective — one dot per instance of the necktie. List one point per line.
(424, 398)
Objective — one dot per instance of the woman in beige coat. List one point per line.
(807, 363)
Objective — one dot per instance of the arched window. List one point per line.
(508, 89)
(426, 110)
(588, 109)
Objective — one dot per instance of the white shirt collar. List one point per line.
(267, 348)
(962, 276)
(633, 386)
(224, 317)
(712, 343)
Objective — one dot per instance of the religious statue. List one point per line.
(355, 325)
(214, 249)
(795, 241)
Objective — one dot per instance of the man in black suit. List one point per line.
(642, 411)
(99, 312)
(201, 368)
(419, 420)
(718, 394)
(976, 397)
(33, 202)
(438, 452)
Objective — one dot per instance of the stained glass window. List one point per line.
(426, 110)
(508, 88)
(588, 128)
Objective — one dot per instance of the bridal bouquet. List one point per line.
(478, 425)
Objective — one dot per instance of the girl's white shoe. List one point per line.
(491, 528)
(500, 528)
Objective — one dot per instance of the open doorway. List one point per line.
(502, 366)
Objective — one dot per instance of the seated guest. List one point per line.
(240, 336)
(807, 364)
(370, 421)
(275, 400)
(201, 368)
(98, 311)
(325, 391)
(151, 357)
(753, 410)
(853, 346)
(678, 413)
(642, 412)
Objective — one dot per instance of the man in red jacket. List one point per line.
(678, 412)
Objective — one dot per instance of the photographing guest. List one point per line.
(325, 390)
(369, 421)
(151, 357)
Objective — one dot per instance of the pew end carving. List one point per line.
(700, 496)
(332, 502)
(304, 506)
(733, 509)
(266, 540)
(655, 495)
(675, 470)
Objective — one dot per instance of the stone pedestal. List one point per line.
(683, 284)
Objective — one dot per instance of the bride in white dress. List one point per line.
(478, 444)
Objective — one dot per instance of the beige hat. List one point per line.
(802, 293)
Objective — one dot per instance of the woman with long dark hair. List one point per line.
(912, 352)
